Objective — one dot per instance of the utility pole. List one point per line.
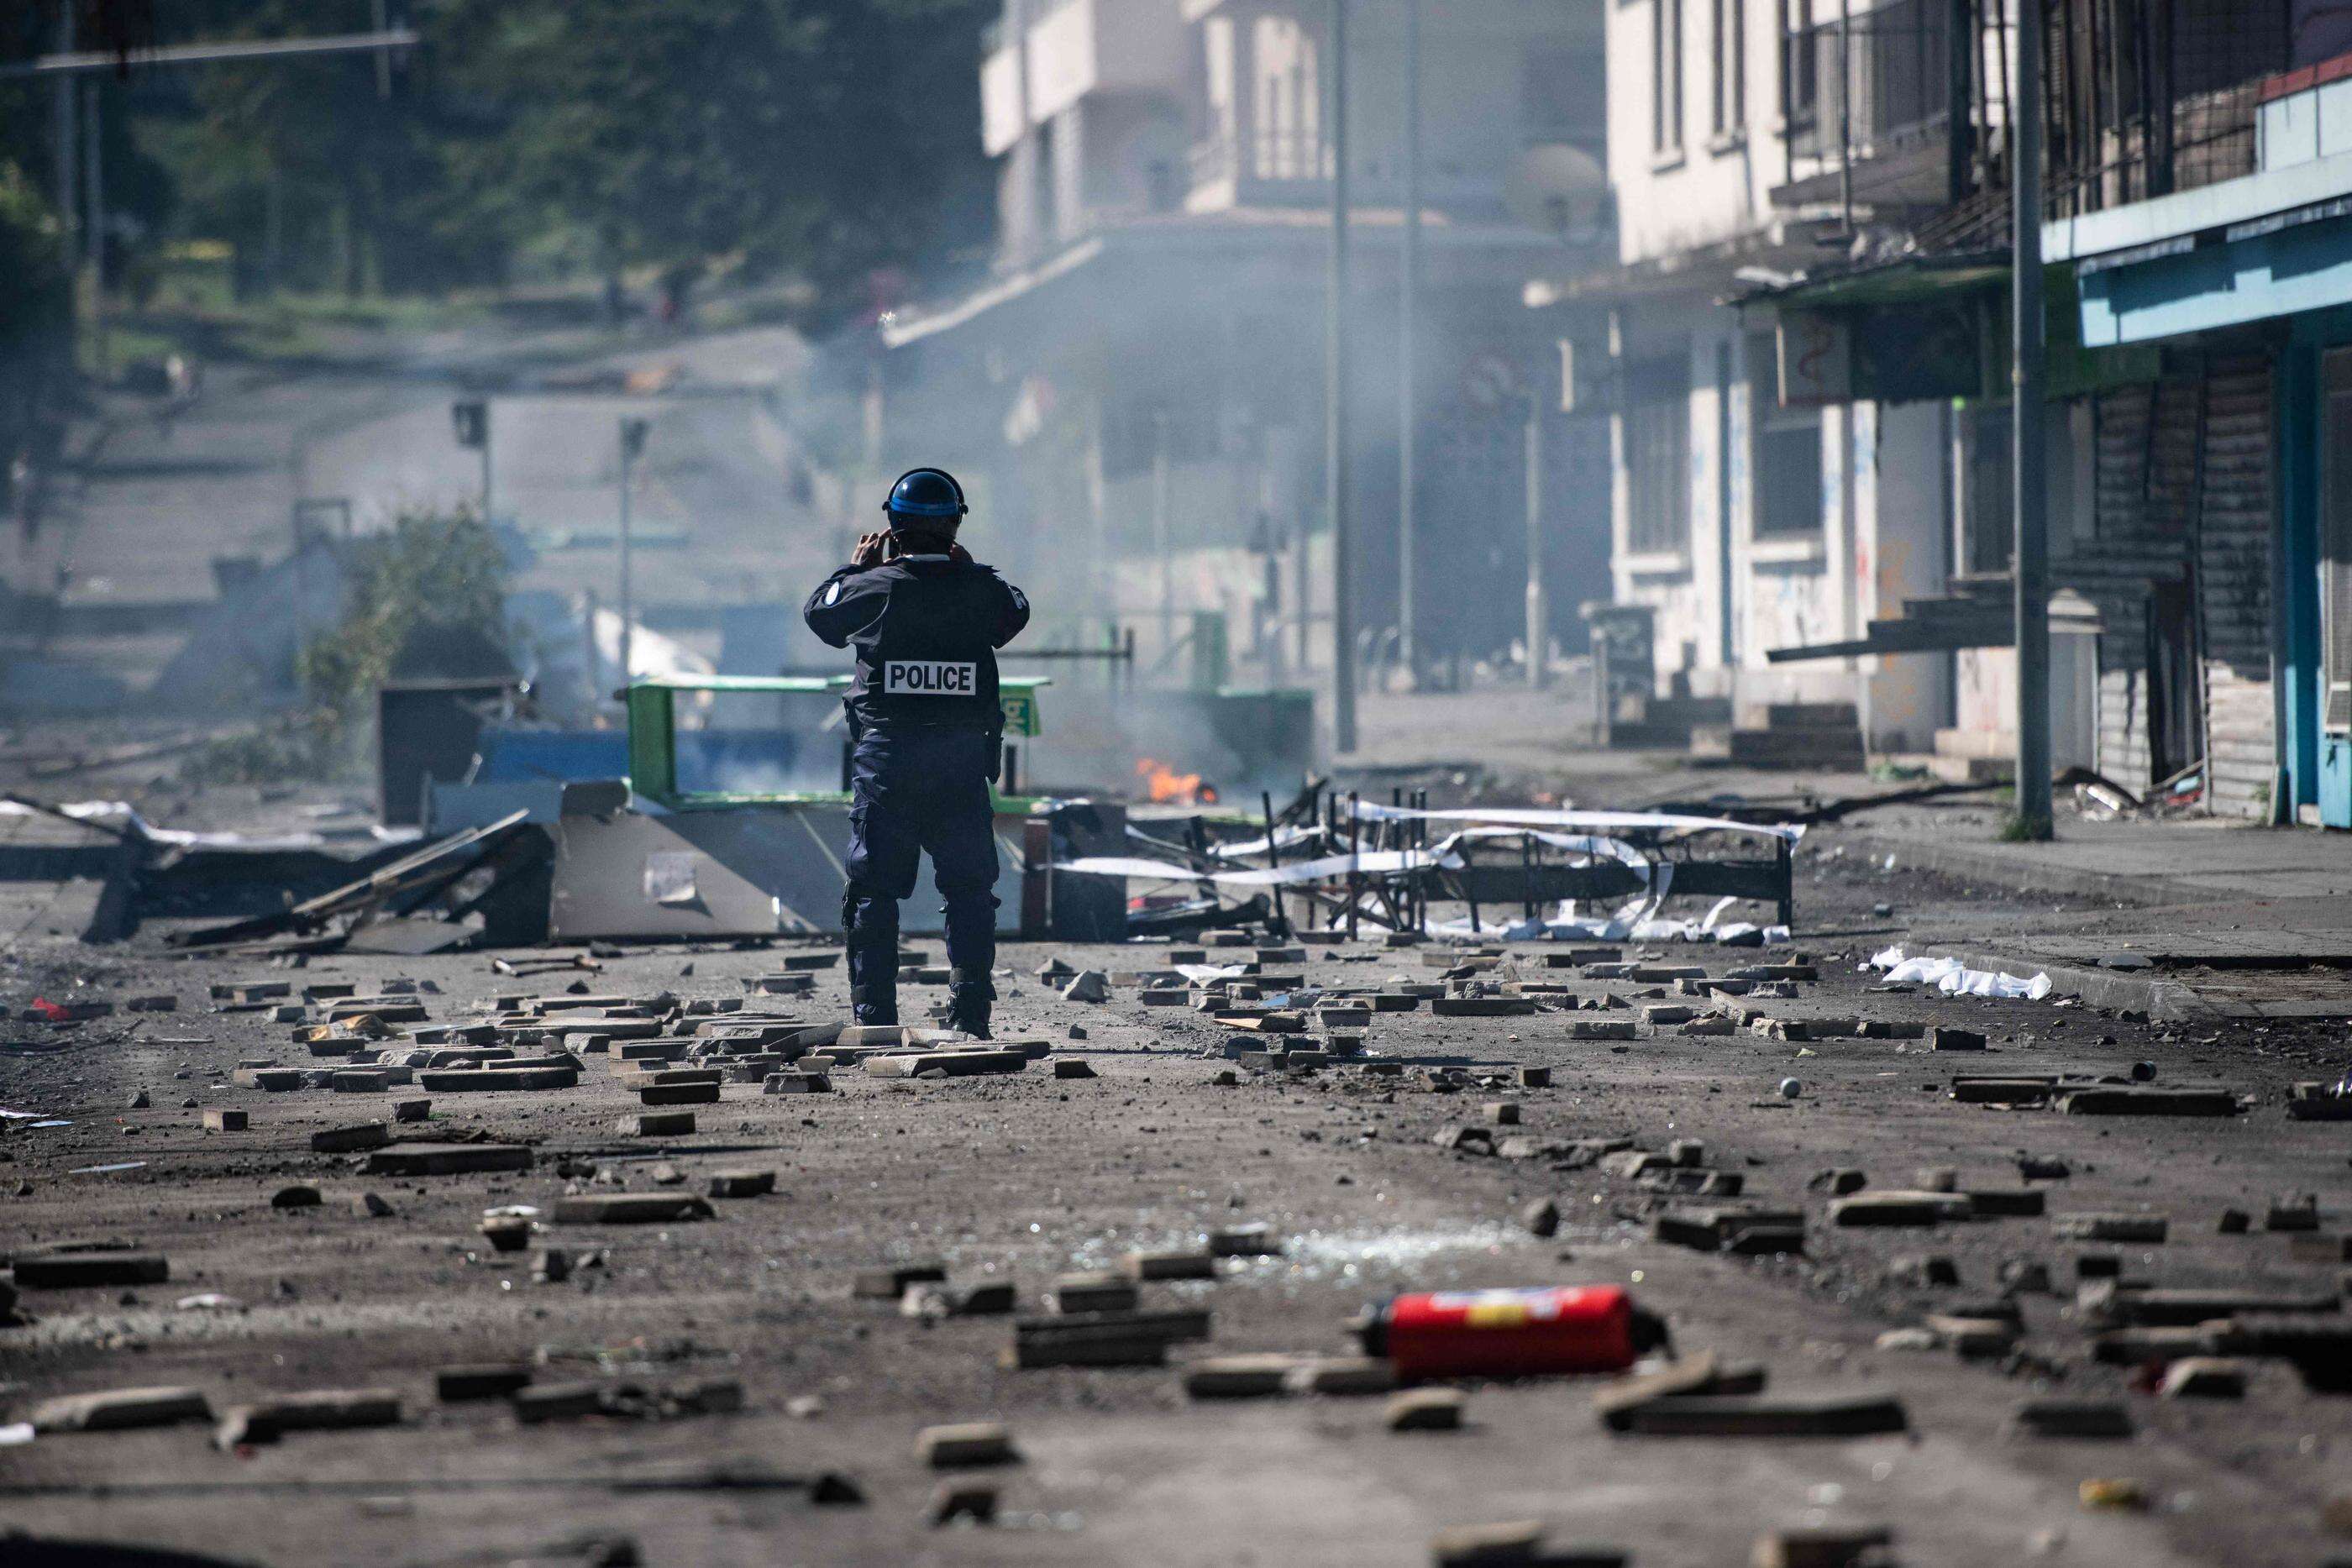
(95, 238)
(2031, 570)
(1538, 609)
(1408, 303)
(68, 137)
(1335, 398)
(633, 442)
(1160, 529)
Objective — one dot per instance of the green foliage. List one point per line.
(430, 571)
(2018, 829)
(814, 141)
(34, 299)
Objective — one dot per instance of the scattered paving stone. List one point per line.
(1687, 1152)
(2300, 1212)
(1426, 1410)
(1141, 1266)
(506, 1232)
(2072, 1418)
(1899, 1209)
(140, 1100)
(1102, 1339)
(1253, 1376)
(1092, 1293)
(1945, 1039)
(295, 1196)
(680, 1094)
(1759, 1416)
(890, 1283)
(1702, 1373)
(629, 1209)
(370, 1206)
(800, 1082)
(265, 1421)
(2234, 1222)
(1603, 1029)
(1821, 1547)
(1258, 1241)
(1514, 1545)
(1934, 1271)
(973, 1501)
(742, 1184)
(1502, 1112)
(492, 1380)
(657, 1124)
(539, 1402)
(1088, 985)
(1340, 1376)
(225, 1119)
(1715, 1026)
(350, 1140)
(2120, 1101)
(970, 1444)
(993, 1298)
(2128, 1227)
(2024, 1276)
(118, 1409)
(2204, 1377)
(1534, 1077)
(417, 1159)
(77, 1267)
(1839, 1181)
(1070, 1067)
(2043, 1167)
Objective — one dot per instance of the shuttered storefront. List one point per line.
(2181, 571)
(2233, 584)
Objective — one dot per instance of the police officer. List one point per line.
(926, 739)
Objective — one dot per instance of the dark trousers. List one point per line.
(915, 792)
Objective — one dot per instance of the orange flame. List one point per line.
(1168, 788)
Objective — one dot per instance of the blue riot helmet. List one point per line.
(925, 495)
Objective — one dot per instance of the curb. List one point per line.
(1966, 860)
(2163, 1001)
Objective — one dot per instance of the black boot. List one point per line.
(871, 928)
(968, 998)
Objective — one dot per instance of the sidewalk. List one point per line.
(2204, 918)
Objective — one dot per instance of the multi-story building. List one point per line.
(1856, 235)
(1758, 503)
(1137, 387)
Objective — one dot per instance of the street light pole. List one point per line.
(1408, 303)
(1539, 608)
(2031, 570)
(633, 442)
(1335, 396)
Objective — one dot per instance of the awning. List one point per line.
(1948, 625)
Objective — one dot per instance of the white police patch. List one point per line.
(929, 678)
(833, 594)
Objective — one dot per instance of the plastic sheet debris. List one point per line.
(106, 1170)
(1954, 978)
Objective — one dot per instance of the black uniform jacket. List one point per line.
(926, 629)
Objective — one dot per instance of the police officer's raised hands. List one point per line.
(872, 549)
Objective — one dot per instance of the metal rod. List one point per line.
(96, 237)
(2033, 567)
(1539, 608)
(70, 62)
(1355, 880)
(628, 598)
(1335, 397)
(1408, 304)
(1845, 116)
(1272, 858)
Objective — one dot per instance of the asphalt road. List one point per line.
(1020, 1178)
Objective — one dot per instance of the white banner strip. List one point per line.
(1603, 820)
(1329, 868)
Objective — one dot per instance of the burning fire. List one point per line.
(1168, 788)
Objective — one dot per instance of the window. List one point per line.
(1666, 76)
(1800, 62)
(1657, 456)
(1787, 473)
(1988, 518)
(1730, 66)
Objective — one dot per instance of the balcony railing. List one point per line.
(1271, 156)
(1883, 77)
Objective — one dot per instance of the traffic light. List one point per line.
(472, 419)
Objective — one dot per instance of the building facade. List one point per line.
(1138, 385)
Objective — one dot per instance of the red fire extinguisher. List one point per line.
(1511, 1332)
